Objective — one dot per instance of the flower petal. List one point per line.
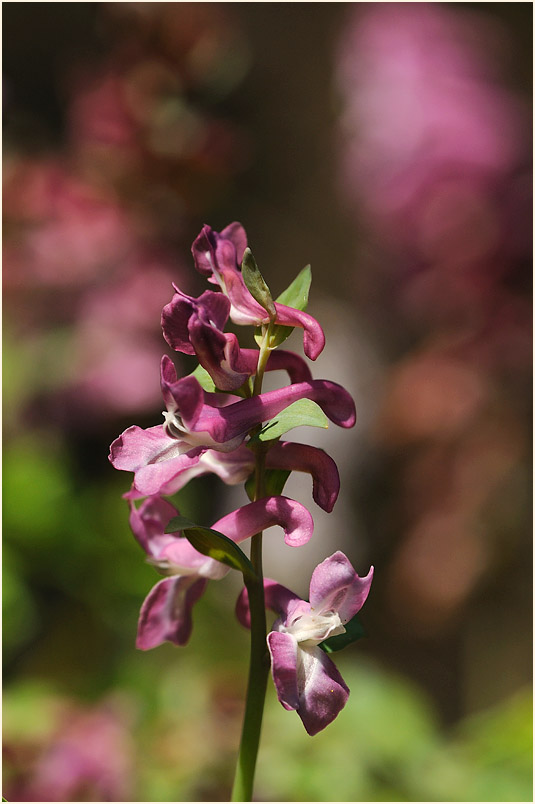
(168, 476)
(156, 459)
(244, 310)
(170, 552)
(181, 558)
(284, 360)
(166, 613)
(335, 586)
(313, 336)
(293, 517)
(171, 476)
(137, 447)
(236, 234)
(218, 353)
(279, 360)
(304, 458)
(229, 424)
(323, 692)
(278, 598)
(210, 306)
(185, 395)
(203, 250)
(195, 326)
(213, 249)
(174, 320)
(148, 524)
(196, 420)
(284, 650)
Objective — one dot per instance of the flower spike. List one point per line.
(218, 420)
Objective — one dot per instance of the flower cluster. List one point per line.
(218, 420)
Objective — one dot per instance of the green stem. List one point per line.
(259, 659)
(263, 357)
(256, 692)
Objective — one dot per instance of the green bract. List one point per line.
(256, 284)
(300, 413)
(354, 630)
(274, 482)
(204, 379)
(296, 296)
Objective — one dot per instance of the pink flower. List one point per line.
(305, 677)
(218, 256)
(195, 327)
(166, 614)
(198, 418)
(160, 468)
(165, 458)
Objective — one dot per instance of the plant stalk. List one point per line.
(259, 659)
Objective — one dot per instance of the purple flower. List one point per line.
(210, 308)
(166, 614)
(305, 677)
(160, 468)
(218, 256)
(198, 418)
(165, 458)
(195, 327)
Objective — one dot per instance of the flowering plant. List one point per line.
(218, 420)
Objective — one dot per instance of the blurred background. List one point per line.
(389, 145)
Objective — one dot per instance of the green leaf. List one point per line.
(203, 378)
(259, 335)
(354, 630)
(296, 296)
(213, 544)
(300, 413)
(274, 479)
(256, 284)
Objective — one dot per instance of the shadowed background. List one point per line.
(389, 145)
